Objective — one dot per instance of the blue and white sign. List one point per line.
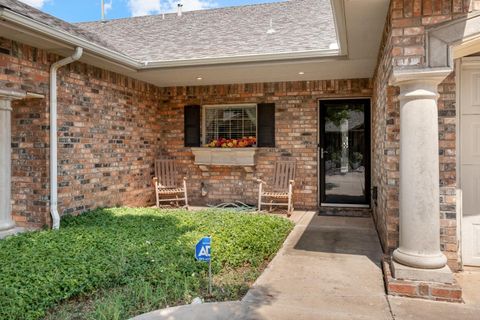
(202, 249)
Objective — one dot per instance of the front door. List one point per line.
(470, 163)
(345, 151)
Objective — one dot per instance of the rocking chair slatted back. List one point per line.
(284, 172)
(166, 172)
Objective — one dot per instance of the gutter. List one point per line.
(53, 134)
(137, 65)
(251, 58)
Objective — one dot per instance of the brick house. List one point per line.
(346, 88)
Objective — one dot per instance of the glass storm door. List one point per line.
(345, 151)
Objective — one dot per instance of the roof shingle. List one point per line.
(300, 25)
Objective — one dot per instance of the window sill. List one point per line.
(224, 156)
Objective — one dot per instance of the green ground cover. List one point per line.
(117, 263)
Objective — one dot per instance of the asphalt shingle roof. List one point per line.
(300, 25)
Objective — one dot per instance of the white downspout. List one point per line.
(53, 134)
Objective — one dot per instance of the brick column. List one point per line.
(419, 172)
(6, 97)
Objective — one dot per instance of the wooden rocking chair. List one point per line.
(166, 184)
(282, 189)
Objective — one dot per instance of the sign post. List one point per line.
(202, 253)
(210, 277)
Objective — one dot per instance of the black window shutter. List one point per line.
(192, 126)
(266, 125)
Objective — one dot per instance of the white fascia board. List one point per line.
(340, 21)
(12, 94)
(135, 65)
(283, 56)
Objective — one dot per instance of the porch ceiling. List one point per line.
(359, 23)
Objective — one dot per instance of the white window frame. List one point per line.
(237, 105)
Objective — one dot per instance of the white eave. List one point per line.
(265, 57)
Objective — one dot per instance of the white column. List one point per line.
(419, 175)
(6, 97)
(6, 222)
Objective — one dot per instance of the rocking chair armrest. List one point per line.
(154, 181)
(185, 178)
(260, 181)
(292, 182)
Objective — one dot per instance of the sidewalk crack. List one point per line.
(390, 307)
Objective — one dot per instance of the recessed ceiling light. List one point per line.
(301, 73)
(199, 78)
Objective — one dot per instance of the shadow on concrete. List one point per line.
(341, 235)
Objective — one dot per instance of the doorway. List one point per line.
(344, 152)
(469, 119)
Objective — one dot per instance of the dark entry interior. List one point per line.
(345, 151)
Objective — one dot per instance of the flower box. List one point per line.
(225, 156)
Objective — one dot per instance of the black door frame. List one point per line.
(321, 143)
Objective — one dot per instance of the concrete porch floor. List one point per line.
(329, 268)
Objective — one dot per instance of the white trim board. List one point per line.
(462, 65)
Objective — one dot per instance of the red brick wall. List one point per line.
(108, 140)
(408, 21)
(29, 162)
(385, 136)
(109, 133)
(24, 68)
(403, 46)
(296, 135)
(447, 152)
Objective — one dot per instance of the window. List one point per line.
(229, 122)
(203, 124)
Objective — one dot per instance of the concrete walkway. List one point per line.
(328, 268)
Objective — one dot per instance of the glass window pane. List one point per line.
(230, 122)
(344, 153)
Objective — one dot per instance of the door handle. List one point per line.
(322, 152)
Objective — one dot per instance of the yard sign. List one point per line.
(202, 253)
(202, 249)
